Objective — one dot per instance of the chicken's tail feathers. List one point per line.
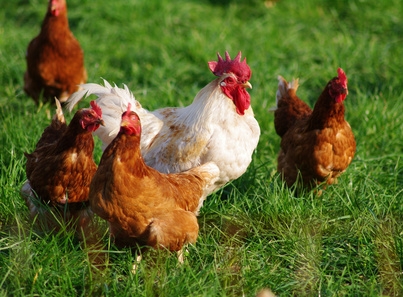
(107, 92)
(59, 116)
(85, 91)
(113, 101)
(283, 89)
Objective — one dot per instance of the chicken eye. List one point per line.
(230, 80)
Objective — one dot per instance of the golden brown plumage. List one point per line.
(142, 205)
(317, 145)
(55, 60)
(60, 169)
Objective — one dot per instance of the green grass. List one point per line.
(254, 233)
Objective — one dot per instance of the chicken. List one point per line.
(219, 125)
(316, 145)
(60, 169)
(55, 60)
(143, 206)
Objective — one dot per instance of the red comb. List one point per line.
(128, 107)
(96, 108)
(342, 76)
(240, 69)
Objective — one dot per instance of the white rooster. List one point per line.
(218, 126)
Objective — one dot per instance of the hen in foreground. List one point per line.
(143, 206)
(55, 60)
(219, 125)
(316, 145)
(60, 169)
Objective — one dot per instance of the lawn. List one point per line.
(255, 233)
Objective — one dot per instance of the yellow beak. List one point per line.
(247, 85)
(101, 122)
(124, 123)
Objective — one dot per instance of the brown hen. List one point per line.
(143, 206)
(60, 169)
(55, 60)
(316, 145)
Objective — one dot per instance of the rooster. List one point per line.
(143, 206)
(55, 60)
(219, 125)
(316, 144)
(60, 169)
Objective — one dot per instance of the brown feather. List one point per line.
(290, 108)
(49, 136)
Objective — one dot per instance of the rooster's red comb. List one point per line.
(96, 108)
(129, 105)
(342, 76)
(240, 69)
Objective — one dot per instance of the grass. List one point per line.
(254, 233)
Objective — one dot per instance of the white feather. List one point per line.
(113, 101)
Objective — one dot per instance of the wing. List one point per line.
(318, 155)
(61, 178)
(178, 146)
(336, 151)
